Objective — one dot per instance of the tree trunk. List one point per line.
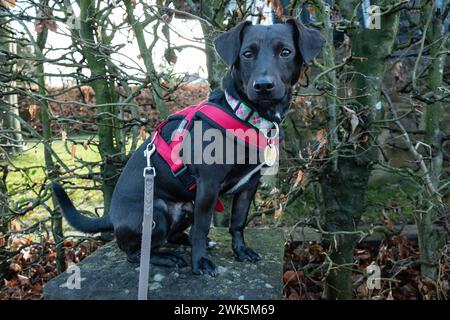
(214, 65)
(213, 11)
(344, 201)
(344, 189)
(56, 217)
(9, 121)
(146, 54)
(109, 147)
(216, 68)
(14, 123)
(433, 236)
(4, 211)
(214, 15)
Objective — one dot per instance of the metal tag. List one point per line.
(270, 155)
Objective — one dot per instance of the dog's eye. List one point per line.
(285, 53)
(248, 54)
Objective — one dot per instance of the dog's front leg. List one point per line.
(239, 213)
(205, 201)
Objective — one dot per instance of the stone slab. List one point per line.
(106, 275)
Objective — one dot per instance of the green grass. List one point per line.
(34, 153)
(27, 174)
(394, 198)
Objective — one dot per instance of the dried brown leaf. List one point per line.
(32, 110)
(8, 3)
(143, 133)
(15, 267)
(72, 151)
(321, 134)
(63, 136)
(299, 178)
(278, 212)
(354, 122)
(290, 276)
(390, 297)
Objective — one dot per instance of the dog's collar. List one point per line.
(246, 113)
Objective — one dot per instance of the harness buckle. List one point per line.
(180, 171)
(277, 132)
(151, 169)
(270, 152)
(148, 152)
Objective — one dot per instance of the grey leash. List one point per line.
(147, 224)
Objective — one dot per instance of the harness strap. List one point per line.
(246, 178)
(170, 152)
(234, 126)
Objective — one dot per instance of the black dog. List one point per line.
(264, 63)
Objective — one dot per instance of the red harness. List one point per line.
(224, 120)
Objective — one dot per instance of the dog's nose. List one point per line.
(263, 85)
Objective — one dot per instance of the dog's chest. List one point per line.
(240, 178)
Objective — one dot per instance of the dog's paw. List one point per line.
(204, 266)
(167, 259)
(178, 262)
(134, 257)
(244, 253)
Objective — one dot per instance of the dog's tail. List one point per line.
(77, 220)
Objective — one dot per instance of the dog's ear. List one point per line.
(310, 41)
(228, 44)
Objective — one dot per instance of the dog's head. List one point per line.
(265, 61)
